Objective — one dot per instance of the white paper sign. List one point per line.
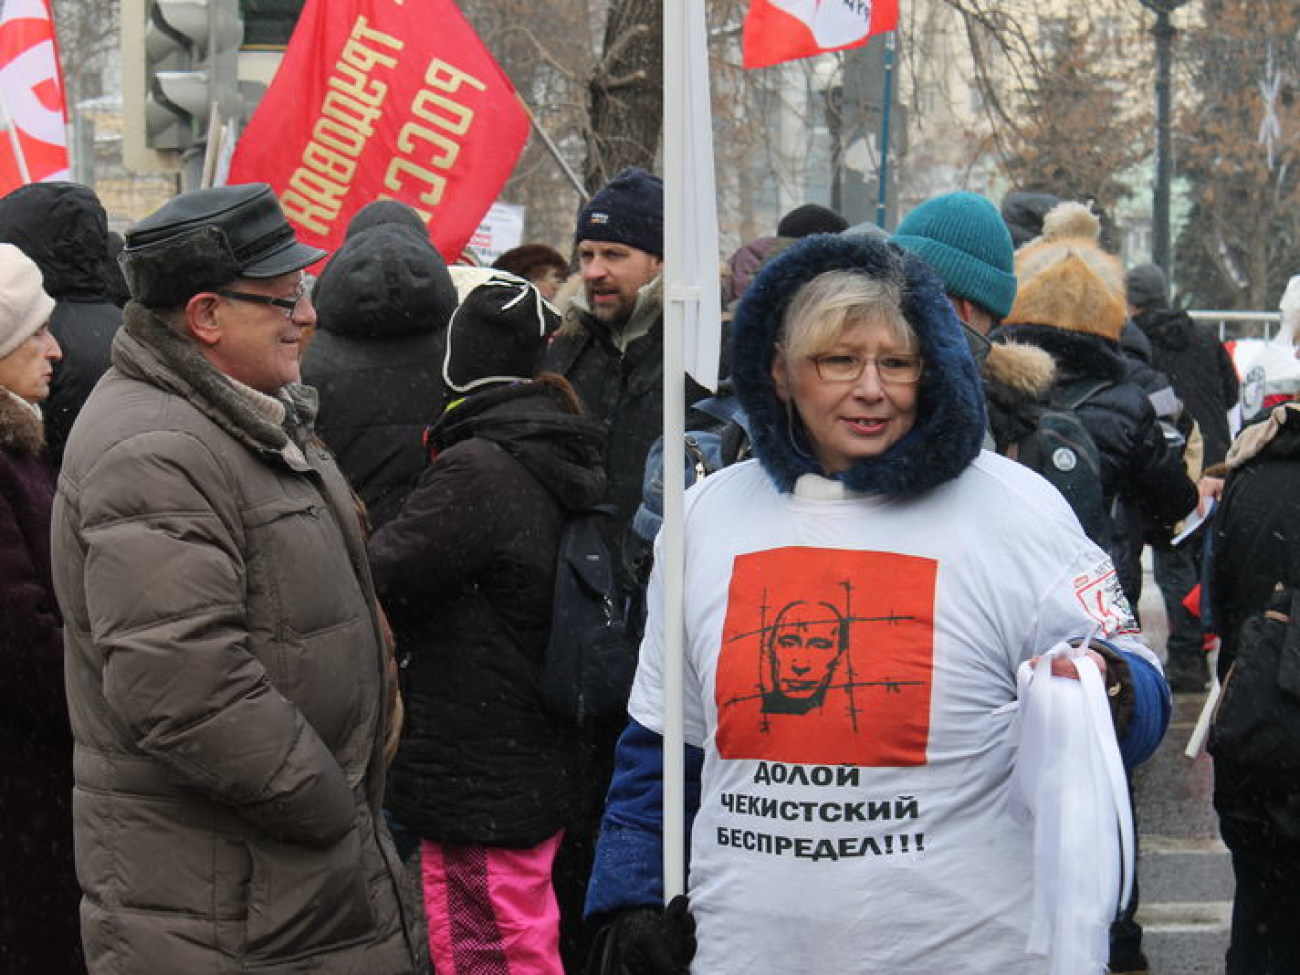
(502, 228)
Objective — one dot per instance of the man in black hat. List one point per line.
(610, 345)
(610, 348)
(227, 674)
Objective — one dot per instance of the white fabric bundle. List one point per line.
(1069, 787)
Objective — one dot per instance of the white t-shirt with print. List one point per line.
(851, 678)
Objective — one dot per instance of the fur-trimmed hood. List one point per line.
(1023, 368)
(1277, 435)
(1078, 355)
(950, 405)
(21, 429)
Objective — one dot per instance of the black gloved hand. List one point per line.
(646, 941)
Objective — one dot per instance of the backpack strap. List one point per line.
(736, 441)
(721, 408)
(1074, 395)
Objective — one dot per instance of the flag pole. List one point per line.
(691, 336)
(672, 551)
(882, 191)
(14, 142)
(554, 150)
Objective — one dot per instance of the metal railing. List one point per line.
(1241, 324)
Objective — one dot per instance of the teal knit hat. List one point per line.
(963, 238)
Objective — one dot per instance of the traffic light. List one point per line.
(269, 23)
(180, 59)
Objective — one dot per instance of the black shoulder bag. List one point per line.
(1257, 721)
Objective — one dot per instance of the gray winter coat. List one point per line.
(226, 682)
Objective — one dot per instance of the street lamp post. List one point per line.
(1164, 34)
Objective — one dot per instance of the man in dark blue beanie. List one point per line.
(620, 242)
(610, 348)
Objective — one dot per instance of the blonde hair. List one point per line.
(826, 305)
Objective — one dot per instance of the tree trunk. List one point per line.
(626, 92)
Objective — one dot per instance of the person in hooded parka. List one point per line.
(856, 603)
(63, 228)
(382, 304)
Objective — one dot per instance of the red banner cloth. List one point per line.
(380, 99)
(33, 110)
(783, 30)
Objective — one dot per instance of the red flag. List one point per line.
(33, 111)
(376, 99)
(783, 30)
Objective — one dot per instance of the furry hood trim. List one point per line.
(949, 425)
(1025, 368)
(21, 428)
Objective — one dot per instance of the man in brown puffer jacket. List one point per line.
(225, 659)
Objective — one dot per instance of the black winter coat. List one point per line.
(1135, 461)
(1255, 541)
(1256, 531)
(64, 229)
(1200, 369)
(376, 360)
(624, 390)
(467, 573)
(39, 929)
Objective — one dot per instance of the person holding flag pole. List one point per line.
(856, 605)
(826, 692)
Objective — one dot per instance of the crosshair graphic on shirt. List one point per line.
(827, 658)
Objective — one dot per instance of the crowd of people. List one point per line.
(278, 556)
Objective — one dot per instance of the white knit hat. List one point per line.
(24, 305)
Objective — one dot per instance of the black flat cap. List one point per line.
(204, 239)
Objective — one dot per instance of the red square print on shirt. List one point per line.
(827, 658)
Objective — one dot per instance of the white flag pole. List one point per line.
(14, 142)
(692, 328)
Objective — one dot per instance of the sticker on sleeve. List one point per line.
(1102, 597)
(827, 658)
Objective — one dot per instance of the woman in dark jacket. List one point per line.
(484, 775)
(1070, 302)
(64, 229)
(1256, 544)
(39, 895)
(382, 304)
